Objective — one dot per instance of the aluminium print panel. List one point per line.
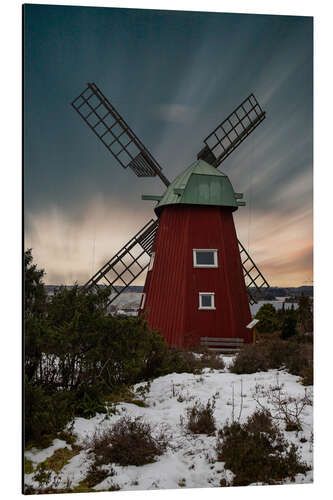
(168, 298)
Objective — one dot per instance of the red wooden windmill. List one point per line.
(200, 278)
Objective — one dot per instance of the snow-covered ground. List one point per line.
(190, 460)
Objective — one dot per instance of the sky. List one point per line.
(173, 76)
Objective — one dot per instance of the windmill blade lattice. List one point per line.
(127, 265)
(112, 130)
(252, 275)
(227, 136)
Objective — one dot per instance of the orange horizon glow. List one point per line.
(72, 249)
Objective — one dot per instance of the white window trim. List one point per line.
(205, 308)
(151, 262)
(195, 250)
(143, 300)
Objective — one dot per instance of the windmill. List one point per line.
(200, 277)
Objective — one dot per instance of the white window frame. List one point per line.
(143, 300)
(205, 308)
(195, 250)
(151, 262)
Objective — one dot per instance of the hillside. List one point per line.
(190, 460)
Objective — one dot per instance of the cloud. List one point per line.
(199, 68)
(281, 244)
(73, 246)
(175, 113)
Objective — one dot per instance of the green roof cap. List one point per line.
(201, 184)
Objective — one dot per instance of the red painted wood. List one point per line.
(172, 287)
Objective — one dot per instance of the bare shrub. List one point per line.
(300, 362)
(200, 418)
(211, 359)
(273, 353)
(251, 358)
(95, 476)
(256, 451)
(307, 374)
(261, 421)
(195, 362)
(283, 407)
(127, 442)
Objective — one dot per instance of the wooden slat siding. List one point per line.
(224, 350)
(224, 339)
(226, 346)
(213, 342)
(222, 344)
(172, 286)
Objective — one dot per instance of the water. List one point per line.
(276, 303)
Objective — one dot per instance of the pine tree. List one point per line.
(305, 314)
(288, 327)
(34, 314)
(268, 319)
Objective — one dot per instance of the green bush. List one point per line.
(45, 413)
(89, 401)
(76, 354)
(256, 452)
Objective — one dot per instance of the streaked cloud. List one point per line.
(72, 247)
(175, 113)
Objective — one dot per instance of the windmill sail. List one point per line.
(230, 133)
(112, 130)
(253, 277)
(127, 265)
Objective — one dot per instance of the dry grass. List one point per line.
(60, 458)
(28, 466)
(125, 395)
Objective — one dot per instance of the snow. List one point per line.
(189, 460)
(36, 456)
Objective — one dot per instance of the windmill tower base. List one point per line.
(172, 299)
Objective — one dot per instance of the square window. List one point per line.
(204, 257)
(206, 300)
